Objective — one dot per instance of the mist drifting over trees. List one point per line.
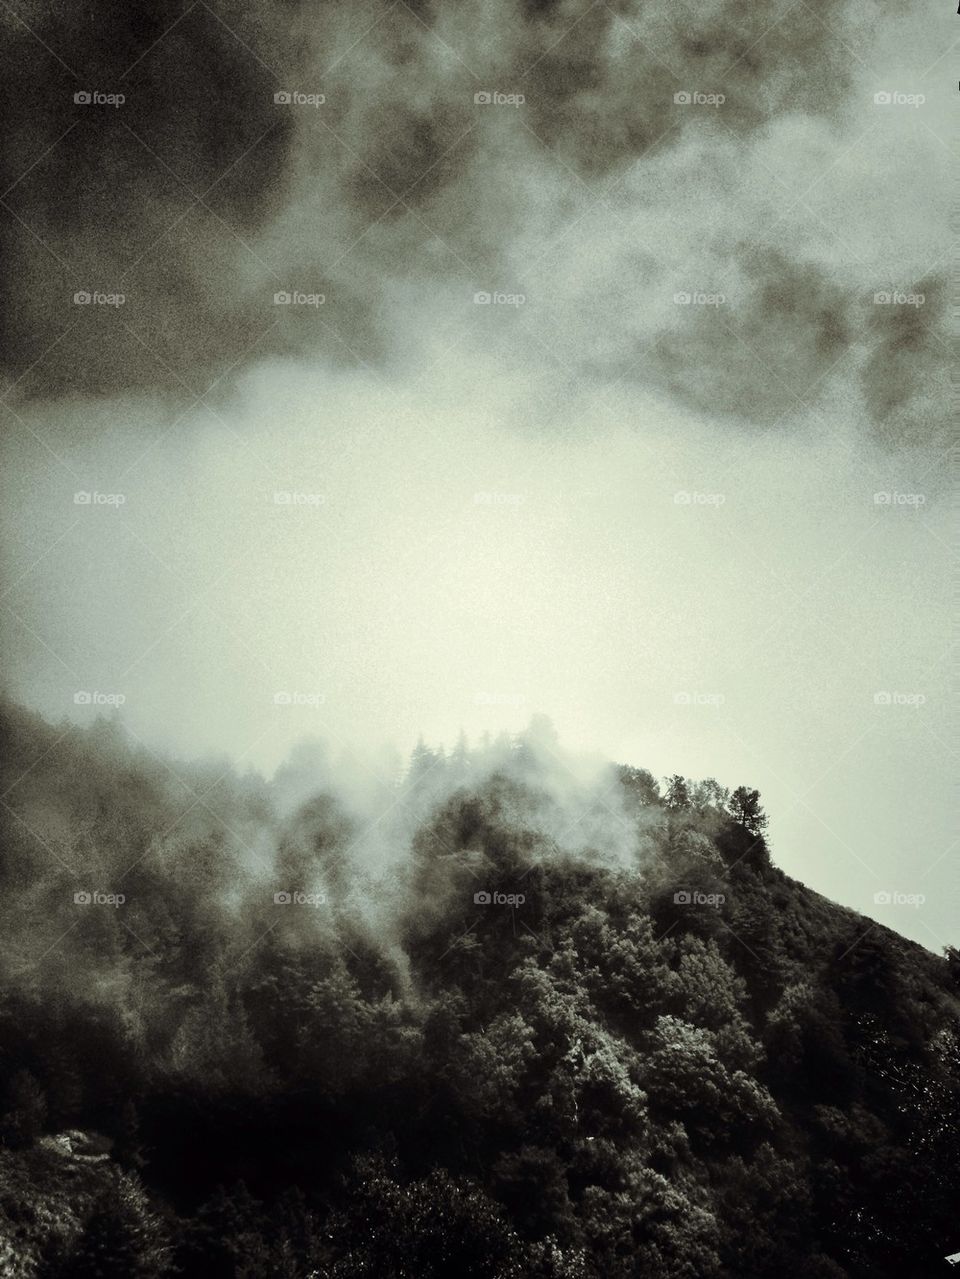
(399, 367)
(506, 1013)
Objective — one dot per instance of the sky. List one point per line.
(626, 403)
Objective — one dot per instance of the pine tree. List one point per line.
(26, 1110)
(745, 809)
(123, 1239)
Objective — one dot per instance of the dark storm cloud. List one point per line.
(603, 93)
(763, 355)
(905, 378)
(200, 197)
(136, 199)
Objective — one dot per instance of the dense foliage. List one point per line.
(667, 1060)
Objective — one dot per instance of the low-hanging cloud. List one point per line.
(601, 162)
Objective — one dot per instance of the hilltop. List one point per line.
(497, 1017)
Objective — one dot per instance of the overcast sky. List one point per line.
(680, 484)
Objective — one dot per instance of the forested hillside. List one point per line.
(500, 1016)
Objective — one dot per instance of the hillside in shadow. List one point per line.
(506, 1014)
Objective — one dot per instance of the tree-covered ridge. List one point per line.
(322, 1035)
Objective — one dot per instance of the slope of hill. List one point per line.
(502, 1017)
